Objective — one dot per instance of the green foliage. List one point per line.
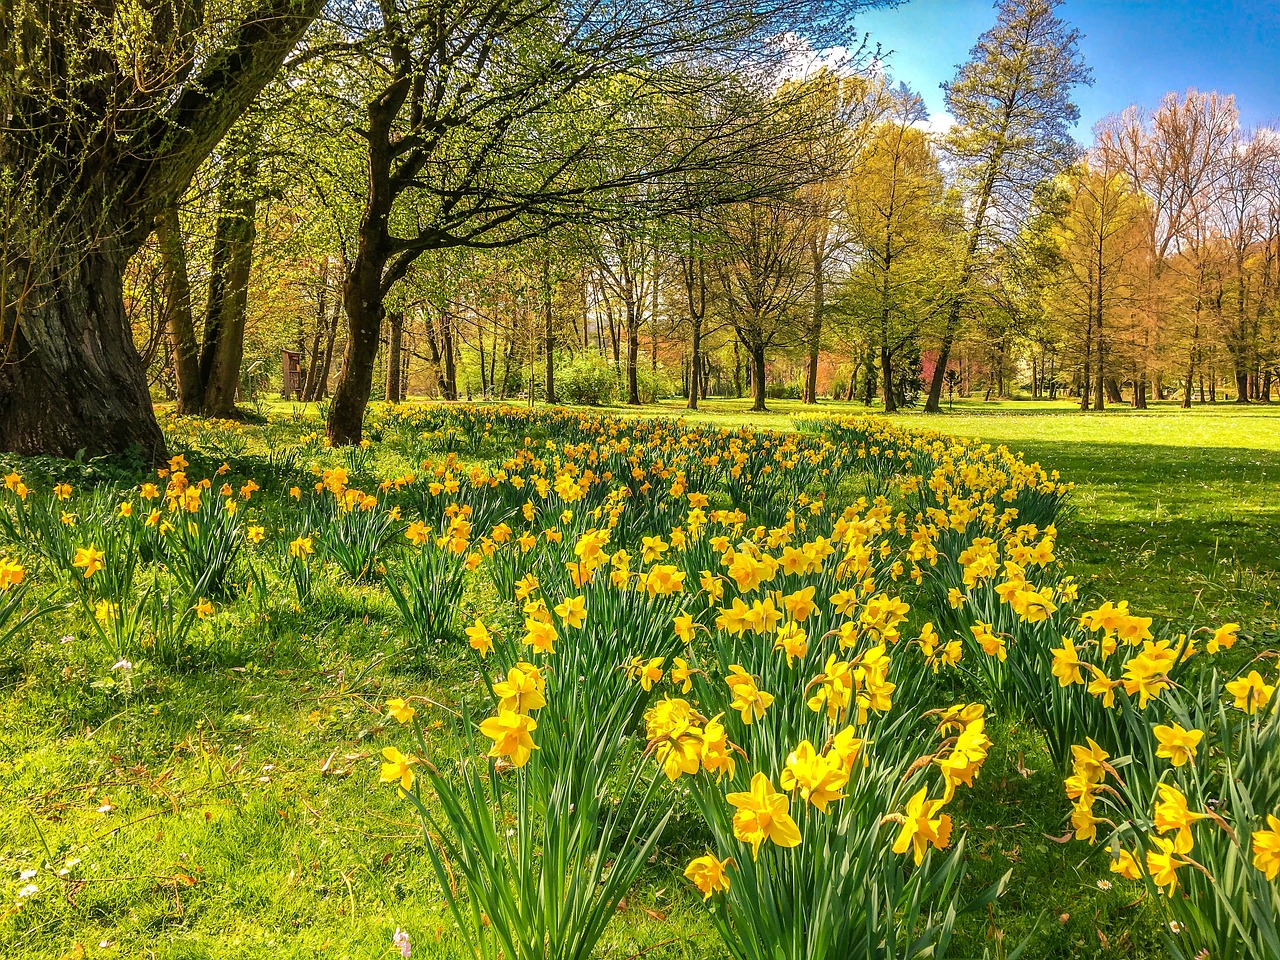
(588, 378)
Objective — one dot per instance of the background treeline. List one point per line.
(521, 198)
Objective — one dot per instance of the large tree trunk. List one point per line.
(229, 277)
(548, 333)
(109, 157)
(447, 356)
(695, 364)
(810, 394)
(75, 381)
(322, 381)
(322, 317)
(363, 301)
(363, 286)
(757, 376)
(178, 316)
(633, 351)
(886, 377)
(395, 334)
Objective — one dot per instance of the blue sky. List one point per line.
(1138, 49)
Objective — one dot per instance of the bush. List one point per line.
(587, 378)
(654, 385)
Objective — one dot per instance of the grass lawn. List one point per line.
(230, 808)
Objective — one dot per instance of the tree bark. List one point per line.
(886, 377)
(548, 333)
(633, 351)
(178, 316)
(757, 377)
(76, 382)
(810, 394)
(231, 264)
(695, 364)
(395, 335)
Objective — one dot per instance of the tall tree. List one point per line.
(486, 122)
(1012, 105)
(1177, 157)
(1099, 240)
(902, 231)
(764, 279)
(108, 118)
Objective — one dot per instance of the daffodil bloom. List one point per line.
(992, 644)
(511, 734)
(1224, 638)
(681, 674)
(522, 689)
(717, 751)
(762, 815)
(400, 710)
(748, 699)
(572, 612)
(649, 672)
(683, 624)
(90, 558)
(11, 574)
(920, 827)
(1177, 744)
(1083, 820)
(792, 640)
(709, 874)
(1090, 761)
(479, 638)
(540, 635)
(1102, 686)
(819, 778)
(1251, 692)
(1123, 863)
(204, 608)
(1172, 813)
(396, 768)
(1266, 848)
(1066, 663)
(1163, 864)
(301, 548)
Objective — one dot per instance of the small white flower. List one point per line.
(106, 807)
(1104, 884)
(67, 639)
(122, 664)
(1175, 926)
(30, 890)
(401, 942)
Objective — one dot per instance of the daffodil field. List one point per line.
(765, 666)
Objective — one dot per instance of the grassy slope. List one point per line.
(292, 861)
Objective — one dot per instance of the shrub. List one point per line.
(587, 378)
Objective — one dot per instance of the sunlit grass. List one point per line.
(230, 809)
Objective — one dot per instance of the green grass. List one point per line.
(231, 809)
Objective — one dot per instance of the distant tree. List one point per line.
(1099, 238)
(764, 278)
(902, 231)
(1012, 105)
